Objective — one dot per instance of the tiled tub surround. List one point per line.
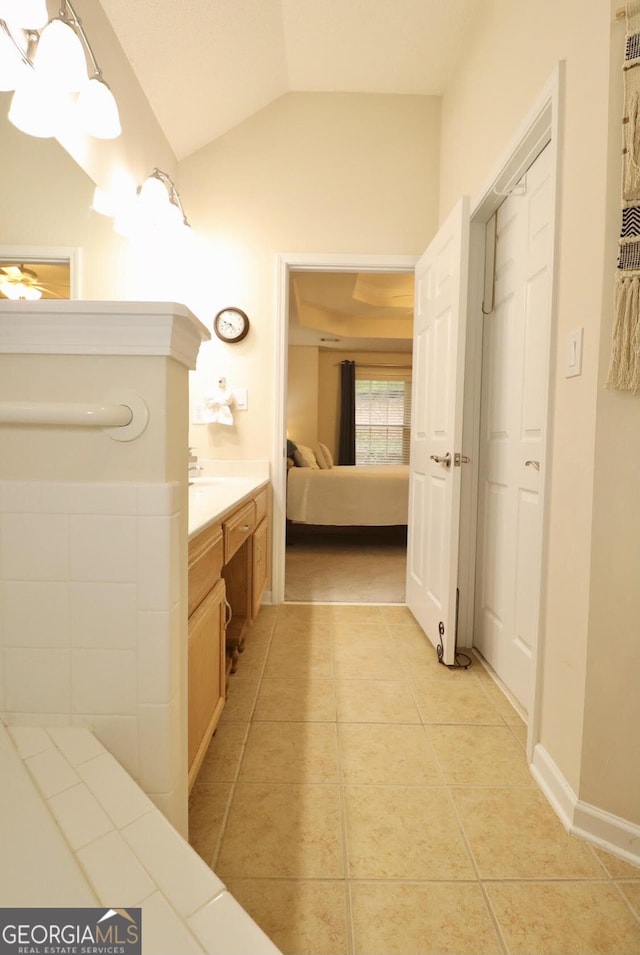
(76, 831)
(91, 620)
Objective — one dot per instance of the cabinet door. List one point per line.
(259, 574)
(206, 674)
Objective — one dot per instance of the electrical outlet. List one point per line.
(198, 413)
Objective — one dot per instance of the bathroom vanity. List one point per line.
(228, 535)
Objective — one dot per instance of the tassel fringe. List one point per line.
(624, 367)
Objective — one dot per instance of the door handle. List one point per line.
(532, 464)
(442, 459)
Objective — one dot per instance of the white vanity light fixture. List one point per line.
(45, 63)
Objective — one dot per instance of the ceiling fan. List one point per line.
(18, 282)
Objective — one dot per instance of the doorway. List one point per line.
(288, 265)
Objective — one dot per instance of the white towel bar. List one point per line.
(123, 416)
(65, 414)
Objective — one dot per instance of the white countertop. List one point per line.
(220, 487)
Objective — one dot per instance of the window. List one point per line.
(383, 420)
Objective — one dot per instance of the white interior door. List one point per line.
(436, 432)
(512, 438)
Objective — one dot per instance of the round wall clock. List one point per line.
(231, 324)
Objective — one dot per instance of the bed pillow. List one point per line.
(323, 456)
(305, 457)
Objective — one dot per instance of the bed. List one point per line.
(363, 495)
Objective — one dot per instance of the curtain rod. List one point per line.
(368, 364)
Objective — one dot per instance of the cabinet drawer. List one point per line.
(205, 564)
(238, 528)
(262, 500)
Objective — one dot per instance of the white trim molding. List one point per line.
(603, 829)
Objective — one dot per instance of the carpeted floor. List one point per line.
(354, 565)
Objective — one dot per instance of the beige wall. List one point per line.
(591, 620)
(302, 395)
(321, 173)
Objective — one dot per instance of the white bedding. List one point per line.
(362, 495)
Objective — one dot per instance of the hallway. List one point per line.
(359, 798)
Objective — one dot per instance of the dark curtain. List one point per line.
(347, 445)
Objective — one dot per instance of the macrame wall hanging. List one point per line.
(624, 368)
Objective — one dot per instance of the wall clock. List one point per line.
(231, 324)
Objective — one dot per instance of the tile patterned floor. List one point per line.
(360, 799)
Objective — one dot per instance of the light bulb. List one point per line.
(13, 69)
(97, 110)
(17, 290)
(59, 58)
(28, 14)
(39, 110)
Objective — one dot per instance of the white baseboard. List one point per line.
(618, 836)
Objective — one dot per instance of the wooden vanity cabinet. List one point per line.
(259, 564)
(207, 674)
(206, 653)
(228, 566)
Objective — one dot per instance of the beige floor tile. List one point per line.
(300, 917)
(401, 616)
(222, 759)
(301, 632)
(241, 697)
(207, 808)
(397, 832)
(291, 753)
(631, 892)
(387, 753)
(355, 614)
(375, 701)
(616, 867)
(297, 700)
(283, 831)
(357, 662)
(520, 731)
(564, 918)
(420, 659)
(515, 834)
(502, 703)
(300, 661)
(454, 701)
(480, 756)
(303, 613)
(362, 635)
(428, 919)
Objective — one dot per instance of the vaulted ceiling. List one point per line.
(206, 65)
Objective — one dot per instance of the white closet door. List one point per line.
(514, 386)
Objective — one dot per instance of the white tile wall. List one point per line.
(103, 615)
(104, 681)
(37, 680)
(103, 548)
(92, 618)
(34, 547)
(34, 613)
(111, 847)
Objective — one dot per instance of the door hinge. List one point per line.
(459, 459)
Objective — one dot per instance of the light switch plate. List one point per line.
(240, 399)
(574, 353)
